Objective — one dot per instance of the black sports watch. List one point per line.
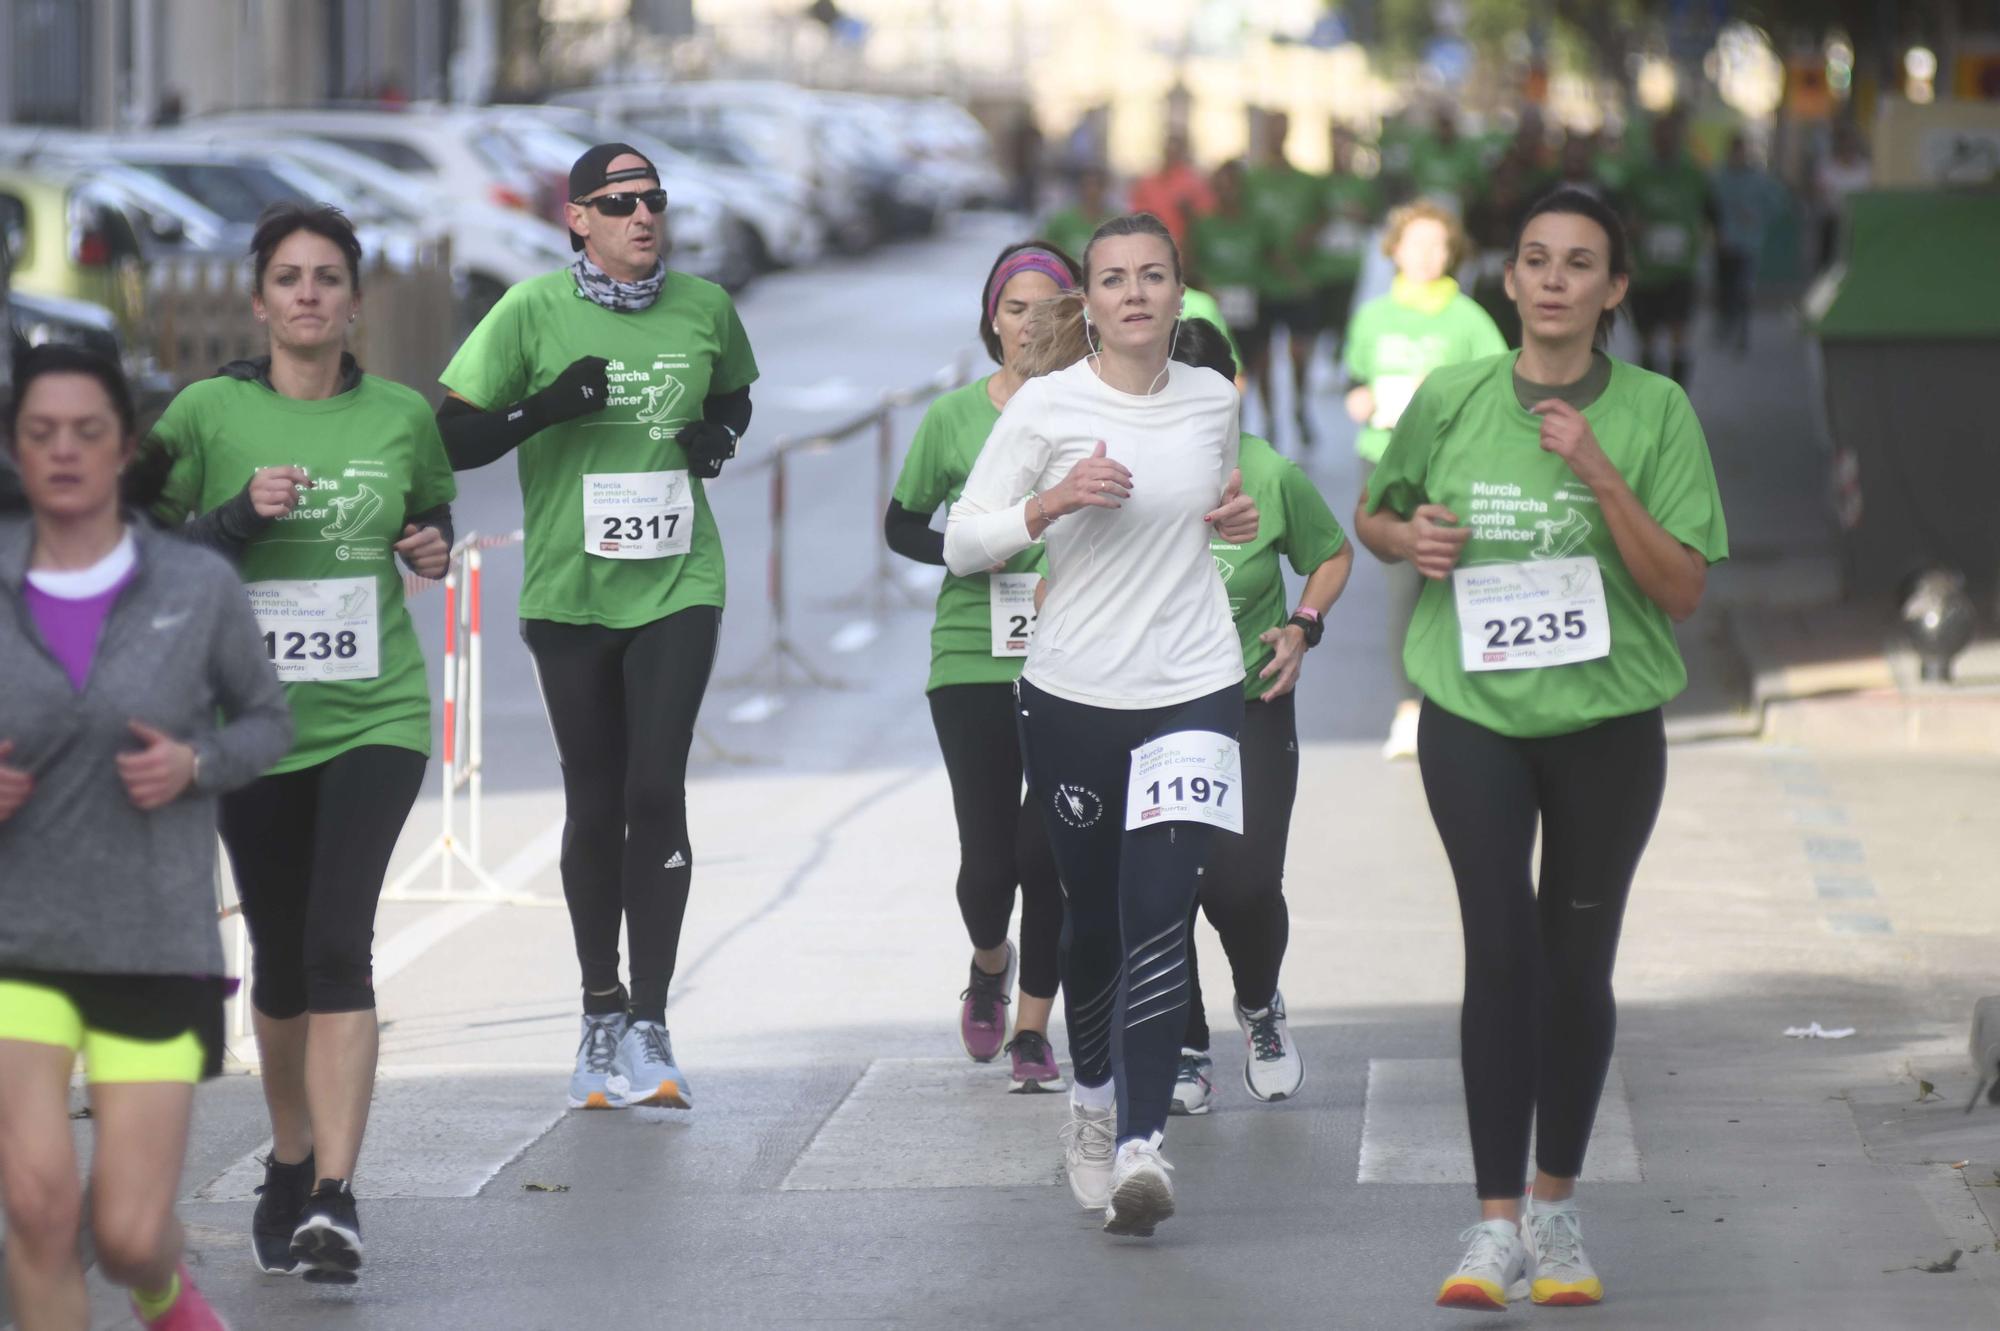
(1310, 624)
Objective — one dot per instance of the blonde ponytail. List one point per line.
(1057, 337)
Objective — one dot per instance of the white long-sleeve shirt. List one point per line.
(1136, 615)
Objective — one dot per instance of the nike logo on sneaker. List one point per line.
(676, 861)
(164, 622)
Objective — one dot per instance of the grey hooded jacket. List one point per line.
(87, 881)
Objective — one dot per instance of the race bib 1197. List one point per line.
(1190, 776)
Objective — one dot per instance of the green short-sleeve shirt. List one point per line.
(1392, 347)
(1293, 520)
(1230, 251)
(1669, 208)
(941, 455)
(375, 459)
(1352, 204)
(1467, 443)
(1290, 204)
(665, 359)
(1197, 304)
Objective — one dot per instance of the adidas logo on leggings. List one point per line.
(676, 861)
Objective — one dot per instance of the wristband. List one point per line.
(1310, 624)
(1043, 513)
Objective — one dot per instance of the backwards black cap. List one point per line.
(592, 172)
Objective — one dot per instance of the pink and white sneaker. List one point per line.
(982, 1014)
(190, 1312)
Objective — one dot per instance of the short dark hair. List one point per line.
(1199, 342)
(61, 358)
(281, 221)
(1133, 224)
(1574, 202)
(986, 333)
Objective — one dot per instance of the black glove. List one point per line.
(577, 391)
(708, 444)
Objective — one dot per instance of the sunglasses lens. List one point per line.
(616, 205)
(655, 200)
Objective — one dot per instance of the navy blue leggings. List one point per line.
(1126, 895)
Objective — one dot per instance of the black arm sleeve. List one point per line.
(227, 528)
(473, 438)
(439, 517)
(731, 409)
(910, 535)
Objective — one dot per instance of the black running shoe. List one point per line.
(281, 1200)
(327, 1242)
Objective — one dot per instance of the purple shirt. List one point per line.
(71, 616)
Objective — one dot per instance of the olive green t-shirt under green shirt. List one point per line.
(1293, 520)
(941, 455)
(665, 359)
(375, 459)
(1467, 442)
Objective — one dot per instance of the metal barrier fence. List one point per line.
(782, 655)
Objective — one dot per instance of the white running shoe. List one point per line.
(1494, 1271)
(1141, 1193)
(1402, 741)
(1194, 1083)
(1090, 1140)
(1561, 1275)
(1272, 1069)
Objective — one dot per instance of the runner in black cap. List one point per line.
(623, 384)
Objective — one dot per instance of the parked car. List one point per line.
(66, 240)
(779, 131)
(32, 318)
(774, 210)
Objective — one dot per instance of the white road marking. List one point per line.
(907, 1121)
(1413, 1128)
(422, 1146)
(855, 635)
(757, 707)
(412, 941)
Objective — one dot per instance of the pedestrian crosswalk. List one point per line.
(426, 1141)
(922, 1123)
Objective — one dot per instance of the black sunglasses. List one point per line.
(624, 205)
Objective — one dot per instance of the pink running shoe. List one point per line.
(1035, 1067)
(982, 1016)
(191, 1312)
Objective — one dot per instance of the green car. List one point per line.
(64, 243)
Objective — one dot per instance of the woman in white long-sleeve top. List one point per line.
(1133, 687)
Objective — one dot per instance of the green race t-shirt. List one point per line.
(1292, 520)
(1290, 204)
(941, 455)
(1467, 443)
(1069, 230)
(375, 459)
(1196, 304)
(1352, 205)
(1669, 207)
(1391, 347)
(665, 360)
(1229, 252)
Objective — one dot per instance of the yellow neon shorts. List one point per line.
(39, 1014)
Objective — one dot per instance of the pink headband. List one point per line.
(1026, 261)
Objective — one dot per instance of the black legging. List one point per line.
(1536, 1028)
(1243, 892)
(1126, 894)
(622, 704)
(1001, 840)
(309, 850)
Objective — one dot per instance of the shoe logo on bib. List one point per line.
(1078, 807)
